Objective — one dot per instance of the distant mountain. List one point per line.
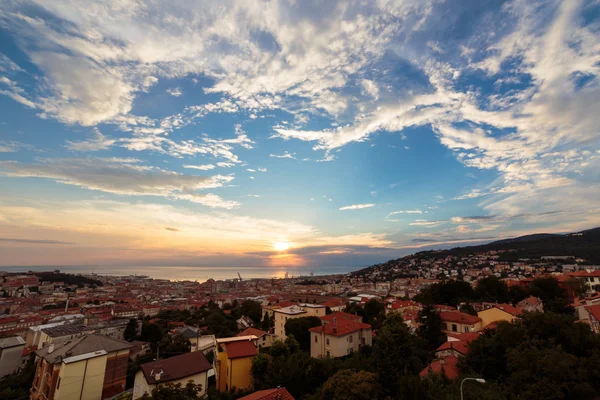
(526, 238)
(584, 244)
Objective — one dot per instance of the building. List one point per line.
(179, 369)
(89, 367)
(339, 337)
(457, 322)
(282, 315)
(11, 351)
(265, 339)
(447, 366)
(590, 278)
(531, 304)
(279, 393)
(234, 363)
(499, 312)
(61, 333)
(594, 313)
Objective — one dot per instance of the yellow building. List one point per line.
(179, 369)
(90, 367)
(282, 315)
(497, 313)
(457, 322)
(234, 363)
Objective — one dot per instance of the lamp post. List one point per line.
(480, 380)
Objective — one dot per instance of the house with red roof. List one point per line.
(531, 304)
(265, 339)
(234, 363)
(339, 337)
(457, 345)
(457, 322)
(179, 369)
(594, 313)
(447, 366)
(279, 393)
(335, 304)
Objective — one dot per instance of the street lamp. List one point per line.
(480, 380)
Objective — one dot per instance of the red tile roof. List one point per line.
(459, 345)
(459, 318)
(515, 311)
(252, 331)
(341, 316)
(340, 328)
(177, 367)
(443, 307)
(447, 366)
(595, 273)
(269, 394)
(240, 349)
(594, 311)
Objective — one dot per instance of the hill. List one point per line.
(579, 245)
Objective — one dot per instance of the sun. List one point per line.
(281, 246)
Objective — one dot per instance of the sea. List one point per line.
(189, 273)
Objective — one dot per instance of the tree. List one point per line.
(451, 293)
(169, 391)
(299, 328)
(554, 297)
(492, 289)
(374, 313)
(267, 323)
(131, 330)
(397, 353)
(431, 327)
(152, 333)
(17, 384)
(350, 385)
(253, 310)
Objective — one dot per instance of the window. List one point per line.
(327, 341)
(316, 339)
(466, 329)
(351, 339)
(58, 383)
(454, 328)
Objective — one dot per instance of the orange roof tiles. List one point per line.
(447, 366)
(340, 328)
(458, 317)
(240, 349)
(269, 394)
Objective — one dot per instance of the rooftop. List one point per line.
(340, 328)
(175, 368)
(240, 349)
(64, 330)
(82, 345)
(459, 318)
(291, 310)
(14, 341)
(269, 394)
(252, 332)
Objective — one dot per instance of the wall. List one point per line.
(81, 379)
(240, 375)
(141, 386)
(10, 359)
(494, 314)
(338, 345)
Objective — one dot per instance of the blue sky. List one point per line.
(289, 133)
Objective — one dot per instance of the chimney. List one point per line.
(50, 348)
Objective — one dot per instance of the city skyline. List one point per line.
(291, 133)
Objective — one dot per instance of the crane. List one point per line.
(239, 276)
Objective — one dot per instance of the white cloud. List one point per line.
(262, 170)
(370, 88)
(356, 207)
(250, 170)
(175, 92)
(124, 177)
(285, 154)
(96, 143)
(205, 167)
(425, 223)
(406, 212)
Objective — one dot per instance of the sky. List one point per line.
(292, 133)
